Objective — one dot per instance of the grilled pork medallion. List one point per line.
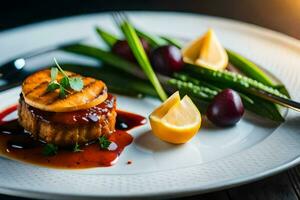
(78, 118)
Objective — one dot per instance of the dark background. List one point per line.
(279, 15)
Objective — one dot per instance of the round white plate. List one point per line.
(214, 159)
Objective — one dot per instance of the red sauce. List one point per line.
(126, 120)
(80, 117)
(17, 144)
(6, 112)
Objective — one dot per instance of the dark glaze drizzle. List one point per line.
(16, 143)
(79, 117)
(127, 121)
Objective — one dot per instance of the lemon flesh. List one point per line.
(176, 121)
(206, 51)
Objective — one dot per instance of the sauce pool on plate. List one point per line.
(17, 144)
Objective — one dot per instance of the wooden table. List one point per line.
(279, 15)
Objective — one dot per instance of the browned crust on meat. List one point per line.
(62, 134)
(34, 90)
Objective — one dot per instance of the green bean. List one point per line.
(154, 41)
(116, 80)
(140, 55)
(106, 57)
(172, 41)
(249, 68)
(107, 37)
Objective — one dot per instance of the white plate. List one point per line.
(214, 159)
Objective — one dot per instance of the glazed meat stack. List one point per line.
(81, 117)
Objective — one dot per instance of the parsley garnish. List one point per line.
(77, 148)
(50, 150)
(104, 142)
(65, 83)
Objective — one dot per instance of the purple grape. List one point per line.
(122, 49)
(166, 59)
(226, 109)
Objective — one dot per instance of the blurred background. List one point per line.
(279, 15)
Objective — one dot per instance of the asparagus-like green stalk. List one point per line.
(249, 68)
(283, 90)
(110, 59)
(263, 108)
(107, 37)
(200, 92)
(230, 79)
(106, 57)
(186, 77)
(139, 53)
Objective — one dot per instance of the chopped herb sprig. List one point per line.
(104, 142)
(77, 148)
(50, 150)
(65, 84)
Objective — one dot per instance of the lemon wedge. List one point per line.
(206, 51)
(176, 121)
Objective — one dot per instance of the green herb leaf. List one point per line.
(62, 92)
(52, 86)
(76, 83)
(54, 72)
(50, 150)
(65, 82)
(60, 69)
(104, 142)
(77, 148)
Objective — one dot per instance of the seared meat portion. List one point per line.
(69, 128)
(34, 90)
